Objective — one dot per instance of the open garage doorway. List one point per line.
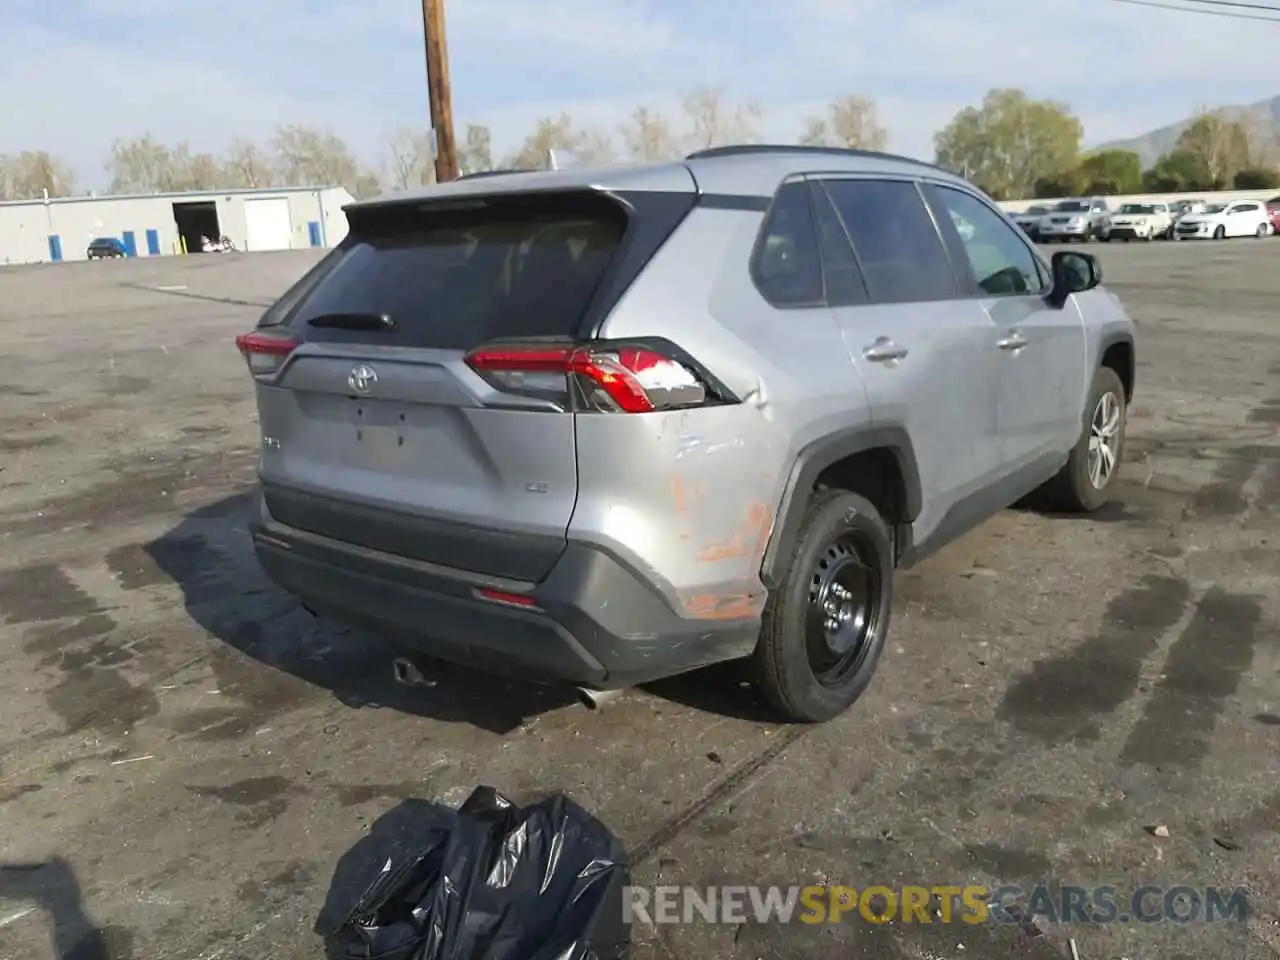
(196, 219)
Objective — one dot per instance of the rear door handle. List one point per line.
(1014, 341)
(884, 350)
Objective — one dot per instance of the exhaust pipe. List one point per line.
(595, 699)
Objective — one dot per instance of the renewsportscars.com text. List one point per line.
(938, 903)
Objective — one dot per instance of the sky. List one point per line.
(78, 73)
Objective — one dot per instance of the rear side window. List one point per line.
(902, 256)
(507, 268)
(786, 266)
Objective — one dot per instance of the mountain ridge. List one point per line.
(1150, 145)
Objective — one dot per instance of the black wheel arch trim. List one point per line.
(1131, 375)
(817, 457)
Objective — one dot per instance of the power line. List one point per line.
(1229, 14)
(1236, 4)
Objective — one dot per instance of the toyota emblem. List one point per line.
(362, 378)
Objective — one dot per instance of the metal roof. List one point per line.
(194, 195)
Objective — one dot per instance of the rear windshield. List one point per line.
(453, 279)
(1070, 206)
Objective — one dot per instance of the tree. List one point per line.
(852, 121)
(190, 170)
(1257, 178)
(1221, 146)
(476, 154)
(650, 136)
(140, 165)
(366, 185)
(1063, 185)
(549, 134)
(411, 156)
(1010, 142)
(247, 165)
(713, 122)
(1176, 171)
(596, 146)
(27, 175)
(1110, 172)
(315, 157)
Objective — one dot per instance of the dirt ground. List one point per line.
(185, 754)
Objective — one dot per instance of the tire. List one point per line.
(1073, 490)
(839, 529)
(1220, 233)
(1263, 231)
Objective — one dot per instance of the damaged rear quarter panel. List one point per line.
(686, 497)
(691, 497)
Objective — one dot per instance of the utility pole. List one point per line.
(438, 90)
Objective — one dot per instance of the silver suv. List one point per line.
(599, 427)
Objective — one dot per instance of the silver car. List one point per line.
(1075, 220)
(602, 426)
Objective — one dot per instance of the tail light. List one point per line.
(601, 378)
(265, 351)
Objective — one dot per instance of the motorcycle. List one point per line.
(222, 245)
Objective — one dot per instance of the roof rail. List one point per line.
(746, 149)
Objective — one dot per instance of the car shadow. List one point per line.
(209, 555)
(52, 886)
(724, 689)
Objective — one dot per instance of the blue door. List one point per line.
(313, 228)
(130, 243)
(153, 243)
(55, 247)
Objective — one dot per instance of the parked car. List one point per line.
(1273, 211)
(563, 426)
(1079, 219)
(1182, 208)
(1140, 221)
(1028, 221)
(1240, 218)
(105, 248)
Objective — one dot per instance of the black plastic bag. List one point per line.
(488, 881)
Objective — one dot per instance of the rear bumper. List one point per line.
(596, 621)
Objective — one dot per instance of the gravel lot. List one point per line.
(184, 754)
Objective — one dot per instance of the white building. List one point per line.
(154, 225)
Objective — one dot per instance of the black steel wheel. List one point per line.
(844, 607)
(824, 628)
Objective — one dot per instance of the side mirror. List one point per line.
(1073, 272)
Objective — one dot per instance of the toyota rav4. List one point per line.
(599, 427)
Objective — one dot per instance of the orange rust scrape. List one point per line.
(747, 540)
(724, 606)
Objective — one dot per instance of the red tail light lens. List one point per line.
(265, 351)
(608, 378)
